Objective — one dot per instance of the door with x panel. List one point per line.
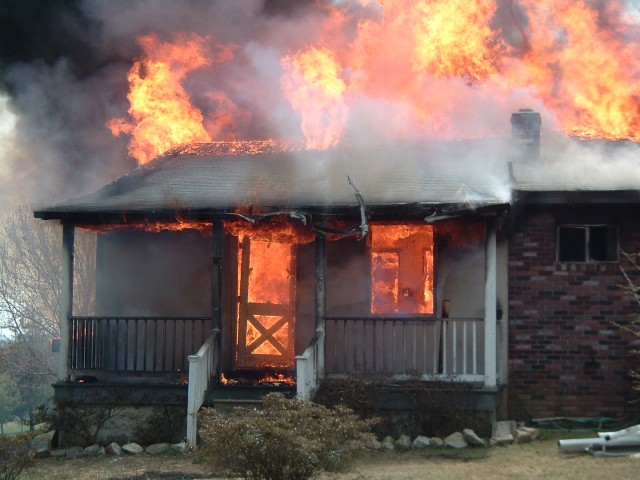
(266, 305)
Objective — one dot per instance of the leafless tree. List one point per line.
(631, 275)
(30, 283)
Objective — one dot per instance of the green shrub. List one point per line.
(15, 454)
(286, 440)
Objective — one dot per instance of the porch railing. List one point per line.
(135, 345)
(203, 366)
(423, 348)
(310, 366)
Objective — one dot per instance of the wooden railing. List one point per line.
(310, 367)
(203, 367)
(139, 345)
(423, 348)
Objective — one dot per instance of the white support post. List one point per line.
(66, 298)
(321, 302)
(490, 305)
(302, 382)
(202, 367)
(192, 395)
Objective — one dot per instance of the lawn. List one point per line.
(540, 459)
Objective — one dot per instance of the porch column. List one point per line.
(66, 298)
(216, 275)
(321, 296)
(490, 321)
(216, 292)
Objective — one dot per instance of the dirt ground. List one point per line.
(540, 459)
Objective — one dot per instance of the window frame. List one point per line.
(587, 227)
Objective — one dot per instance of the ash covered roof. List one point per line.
(580, 166)
(210, 178)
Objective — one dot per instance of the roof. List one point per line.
(455, 175)
(208, 178)
(580, 166)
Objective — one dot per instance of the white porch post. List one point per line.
(490, 321)
(321, 298)
(66, 298)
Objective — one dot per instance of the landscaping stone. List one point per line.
(421, 442)
(388, 444)
(436, 442)
(472, 438)
(522, 437)
(157, 448)
(180, 447)
(526, 434)
(91, 450)
(375, 445)
(132, 448)
(534, 432)
(114, 449)
(456, 440)
(74, 452)
(42, 452)
(503, 432)
(59, 452)
(403, 442)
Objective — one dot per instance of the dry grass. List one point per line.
(529, 461)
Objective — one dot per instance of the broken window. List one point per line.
(401, 269)
(588, 243)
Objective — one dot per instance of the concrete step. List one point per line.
(244, 395)
(229, 404)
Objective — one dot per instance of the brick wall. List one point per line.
(566, 357)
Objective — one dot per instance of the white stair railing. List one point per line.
(202, 367)
(310, 367)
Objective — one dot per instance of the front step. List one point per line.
(229, 396)
(229, 404)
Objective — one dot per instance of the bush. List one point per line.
(286, 440)
(80, 422)
(15, 454)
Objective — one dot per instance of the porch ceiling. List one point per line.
(454, 173)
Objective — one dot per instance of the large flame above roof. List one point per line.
(403, 69)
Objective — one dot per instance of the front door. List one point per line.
(266, 305)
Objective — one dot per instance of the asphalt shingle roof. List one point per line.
(402, 174)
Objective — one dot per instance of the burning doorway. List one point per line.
(266, 304)
(264, 317)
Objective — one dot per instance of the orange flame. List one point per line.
(278, 378)
(205, 228)
(454, 38)
(161, 112)
(314, 88)
(584, 69)
(411, 69)
(275, 229)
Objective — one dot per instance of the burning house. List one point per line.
(407, 237)
(288, 266)
(219, 267)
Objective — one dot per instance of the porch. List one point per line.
(177, 360)
(193, 353)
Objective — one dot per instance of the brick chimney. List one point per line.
(525, 130)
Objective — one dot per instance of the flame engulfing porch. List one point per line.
(318, 283)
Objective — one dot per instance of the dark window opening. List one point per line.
(588, 243)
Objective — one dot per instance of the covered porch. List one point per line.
(191, 353)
